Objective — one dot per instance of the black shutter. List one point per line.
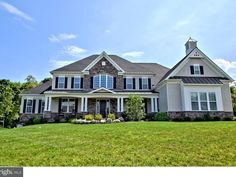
(133, 83)
(59, 105)
(191, 69)
(34, 101)
(124, 83)
(72, 82)
(114, 82)
(91, 82)
(140, 83)
(24, 105)
(39, 107)
(81, 82)
(66, 79)
(76, 105)
(201, 70)
(56, 83)
(149, 83)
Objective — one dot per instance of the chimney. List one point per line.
(190, 45)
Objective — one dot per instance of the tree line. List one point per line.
(10, 99)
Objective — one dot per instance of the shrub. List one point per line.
(178, 119)
(227, 118)
(187, 118)
(161, 116)
(97, 117)
(89, 117)
(124, 114)
(112, 116)
(150, 116)
(73, 121)
(135, 107)
(207, 117)
(121, 119)
(198, 119)
(216, 118)
(36, 120)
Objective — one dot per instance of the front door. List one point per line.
(103, 105)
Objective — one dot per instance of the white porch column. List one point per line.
(50, 103)
(118, 104)
(122, 104)
(155, 108)
(82, 104)
(152, 105)
(22, 104)
(46, 103)
(86, 104)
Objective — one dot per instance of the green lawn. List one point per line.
(122, 144)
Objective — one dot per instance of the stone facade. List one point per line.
(98, 68)
(194, 114)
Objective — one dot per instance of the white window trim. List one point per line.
(131, 83)
(100, 81)
(147, 83)
(77, 77)
(67, 104)
(26, 110)
(61, 82)
(196, 65)
(208, 102)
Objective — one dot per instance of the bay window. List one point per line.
(194, 101)
(212, 101)
(203, 101)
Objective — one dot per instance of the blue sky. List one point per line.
(39, 36)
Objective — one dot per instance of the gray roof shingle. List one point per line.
(39, 89)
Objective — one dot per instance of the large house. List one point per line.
(102, 83)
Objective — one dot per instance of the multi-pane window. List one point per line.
(196, 69)
(29, 106)
(68, 105)
(61, 82)
(77, 82)
(203, 101)
(194, 101)
(129, 83)
(212, 101)
(144, 83)
(96, 81)
(103, 80)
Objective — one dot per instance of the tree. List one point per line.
(135, 107)
(233, 95)
(45, 80)
(9, 101)
(31, 82)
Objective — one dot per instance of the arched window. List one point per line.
(103, 80)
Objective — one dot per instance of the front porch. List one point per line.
(79, 106)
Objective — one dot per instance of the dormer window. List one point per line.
(196, 69)
(103, 80)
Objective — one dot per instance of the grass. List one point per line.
(124, 144)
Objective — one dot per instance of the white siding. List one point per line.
(189, 89)
(226, 95)
(174, 97)
(208, 71)
(163, 99)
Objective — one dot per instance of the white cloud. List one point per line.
(228, 66)
(133, 54)
(60, 63)
(61, 37)
(13, 10)
(107, 31)
(72, 50)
